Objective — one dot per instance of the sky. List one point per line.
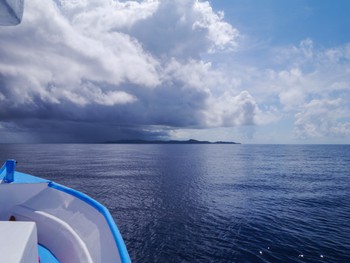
(262, 72)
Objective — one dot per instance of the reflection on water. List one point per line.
(211, 203)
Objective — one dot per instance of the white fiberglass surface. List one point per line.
(18, 242)
(73, 230)
(16, 194)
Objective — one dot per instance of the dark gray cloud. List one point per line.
(56, 131)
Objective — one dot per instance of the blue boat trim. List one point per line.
(45, 255)
(20, 178)
(124, 255)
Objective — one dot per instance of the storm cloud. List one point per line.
(103, 70)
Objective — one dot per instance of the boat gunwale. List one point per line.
(124, 255)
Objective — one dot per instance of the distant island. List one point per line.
(191, 141)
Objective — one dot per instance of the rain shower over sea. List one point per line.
(210, 202)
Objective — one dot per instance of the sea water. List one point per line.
(210, 203)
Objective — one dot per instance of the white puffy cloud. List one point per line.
(230, 110)
(47, 50)
(90, 93)
(285, 81)
(184, 29)
(322, 118)
(222, 35)
(104, 15)
(317, 90)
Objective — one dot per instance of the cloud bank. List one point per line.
(97, 70)
(127, 64)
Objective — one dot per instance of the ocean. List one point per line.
(210, 203)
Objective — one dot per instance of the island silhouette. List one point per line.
(190, 141)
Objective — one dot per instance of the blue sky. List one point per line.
(288, 22)
(264, 71)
